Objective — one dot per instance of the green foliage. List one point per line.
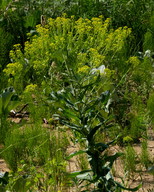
(130, 101)
(6, 40)
(8, 101)
(25, 144)
(33, 144)
(38, 148)
(150, 105)
(127, 140)
(37, 104)
(145, 157)
(130, 161)
(3, 181)
(50, 177)
(148, 37)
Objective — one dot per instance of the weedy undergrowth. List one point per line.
(145, 156)
(36, 158)
(8, 101)
(28, 143)
(130, 161)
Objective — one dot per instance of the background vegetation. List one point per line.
(79, 65)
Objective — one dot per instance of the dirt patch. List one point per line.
(3, 165)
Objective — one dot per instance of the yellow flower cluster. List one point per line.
(134, 60)
(109, 73)
(115, 39)
(82, 58)
(30, 88)
(81, 42)
(84, 69)
(13, 68)
(60, 26)
(16, 52)
(97, 24)
(42, 30)
(96, 59)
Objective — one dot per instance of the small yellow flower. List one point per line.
(30, 88)
(83, 69)
(134, 60)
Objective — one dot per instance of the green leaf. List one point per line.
(13, 105)
(101, 146)
(128, 189)
(85, 176)
(75, 153)
(72, 126)
(68, 102)
(112, 158)
(69, 114)
(93, 131)
(8, 101)
(6, 97)
(105, 170)
(76, 173)
(108, 176)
